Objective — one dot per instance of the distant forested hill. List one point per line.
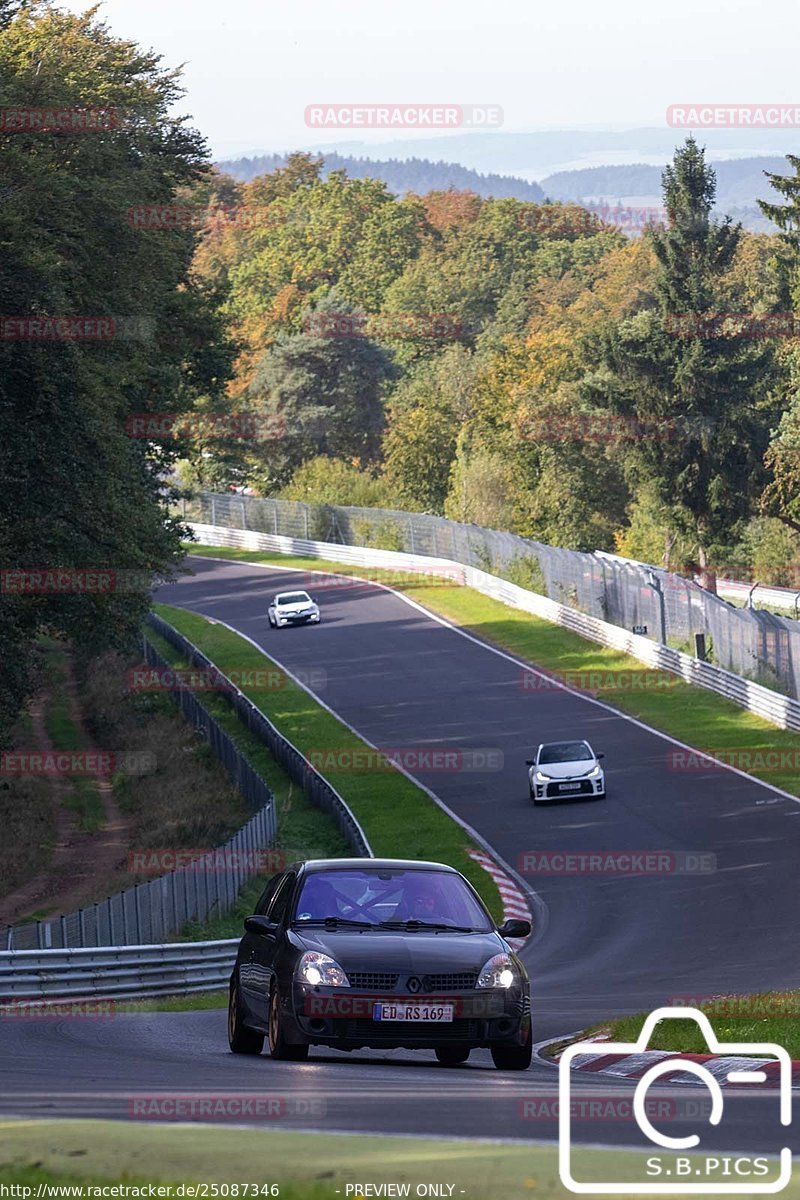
(414, 175)
(740, 181)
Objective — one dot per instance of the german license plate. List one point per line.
(412, 1012)
(568, 787)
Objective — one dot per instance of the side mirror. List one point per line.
(259, 925)
(515, 927)
(530, 762)
(599, 756)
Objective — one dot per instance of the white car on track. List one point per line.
(561, 770)
(292, 608)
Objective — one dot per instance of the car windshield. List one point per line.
(293, 598)
(375, 897)
(558, 752)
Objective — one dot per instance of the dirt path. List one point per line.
(84, 865)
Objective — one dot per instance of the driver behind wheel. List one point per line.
(421, 901)
(318, 901)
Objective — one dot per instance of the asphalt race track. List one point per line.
(604, 944)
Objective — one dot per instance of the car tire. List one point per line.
(241, 1039)
(512, 1058)
(452, 1056)
(278, 1046)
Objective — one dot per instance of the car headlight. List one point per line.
(595, 771)
(316, 968)
(498, 972)
(542, 778)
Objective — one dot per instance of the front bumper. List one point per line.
(298, 619)
(343, 1018)
(564, 789)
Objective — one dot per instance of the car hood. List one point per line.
(568, 770)
(295, 608)
(422, 952)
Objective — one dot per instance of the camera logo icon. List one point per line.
(695, 1176)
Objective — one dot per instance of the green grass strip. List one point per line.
(84, 795)
(691, 714)
(303, 1166)
(398, 818)
(765, 1017)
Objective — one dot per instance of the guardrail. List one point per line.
(760, 593)
(297, 767)
(780, 710)
(128, 972)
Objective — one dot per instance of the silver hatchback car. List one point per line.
(562, 770)
(292, 608)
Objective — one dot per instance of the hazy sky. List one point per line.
(252, 66)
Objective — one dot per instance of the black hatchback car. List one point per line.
(382, 953)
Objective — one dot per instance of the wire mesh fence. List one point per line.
(150, 912)
(665, 607)
(206, 886)
(299, 769)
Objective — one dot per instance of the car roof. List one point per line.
(568, 742)
(375, 864)
(293, 592)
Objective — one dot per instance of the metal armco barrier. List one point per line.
(126, 972)
(763, 701)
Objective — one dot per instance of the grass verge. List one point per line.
(701, 718)
(398, 818)
(765, 1017)
(301, 1166)
(84, 797)
(303, 830)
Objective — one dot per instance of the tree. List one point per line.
(78, 492)
(700, 400)
(326, 480)
(426, 412)
(319, 394)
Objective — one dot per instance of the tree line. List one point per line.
(520, 365)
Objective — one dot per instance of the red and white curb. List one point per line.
(514, 903)
(634, 1066)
